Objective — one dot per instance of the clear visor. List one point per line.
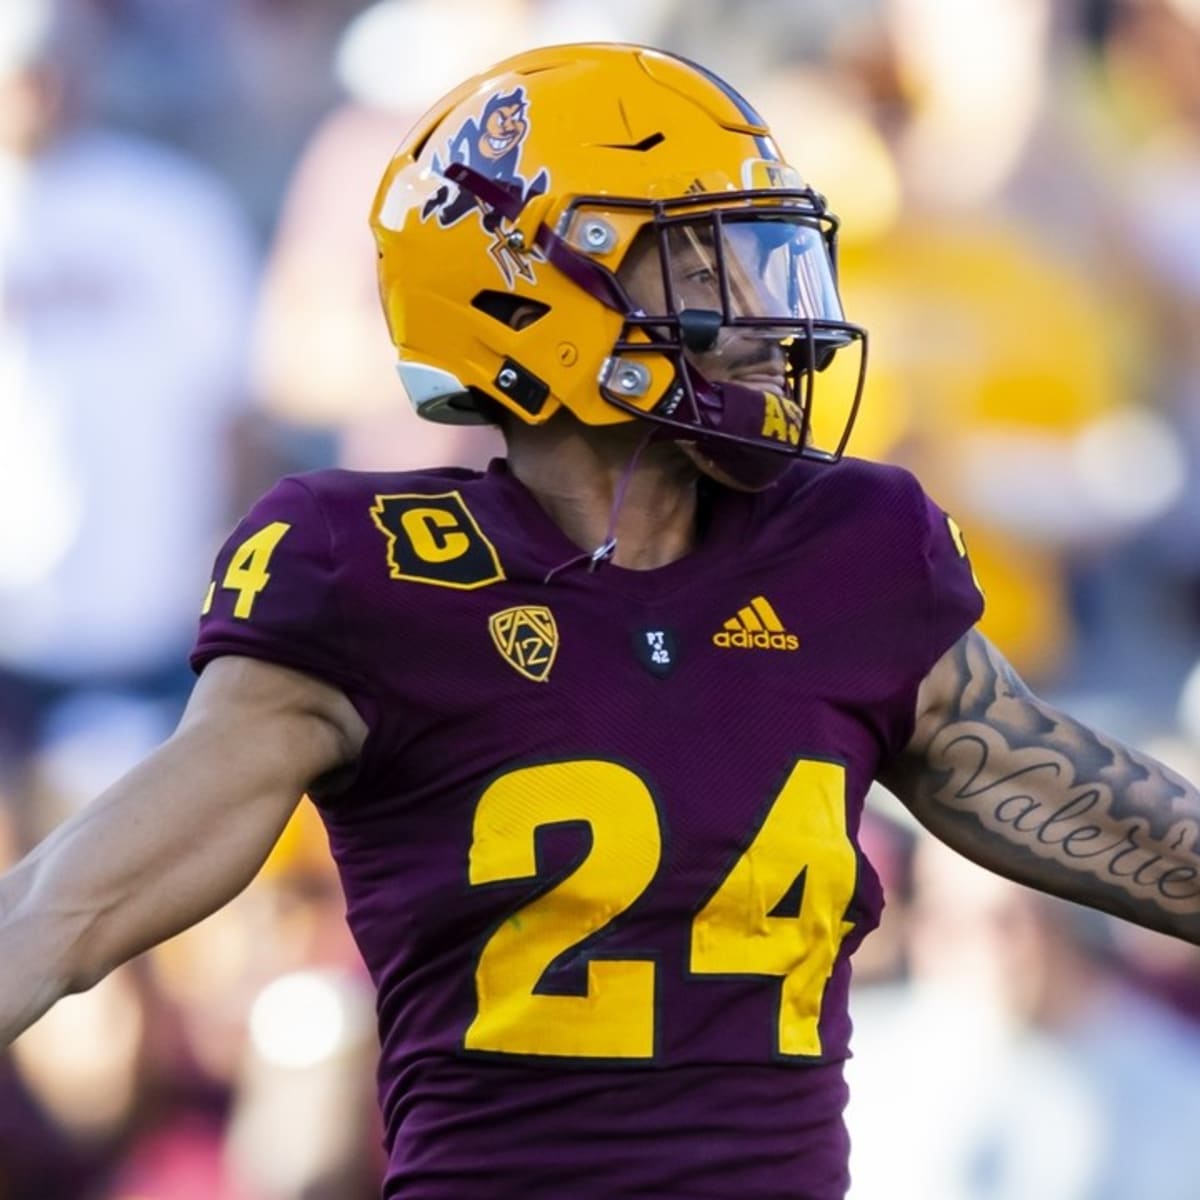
(752, 269)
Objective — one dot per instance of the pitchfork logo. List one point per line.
(490, 144)
(527, 637)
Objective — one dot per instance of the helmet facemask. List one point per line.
(742, 301)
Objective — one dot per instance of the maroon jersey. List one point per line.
(601, 853)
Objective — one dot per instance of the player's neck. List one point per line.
(577, 474)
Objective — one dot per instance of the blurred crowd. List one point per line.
(188, 310)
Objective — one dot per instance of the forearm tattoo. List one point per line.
(1027, 791)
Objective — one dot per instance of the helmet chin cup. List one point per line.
(740, 420)
(733, 410)
(737, 467)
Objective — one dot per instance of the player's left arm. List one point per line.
(1030, 793)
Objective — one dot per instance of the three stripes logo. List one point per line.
(756, 627)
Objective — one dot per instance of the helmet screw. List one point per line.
(568, 354)
(515, 240)
(598, 236)
(506, 379)
(631, 378)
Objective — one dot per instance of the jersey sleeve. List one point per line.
(275, 595)
(956, 599)
(941, 601)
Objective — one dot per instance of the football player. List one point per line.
(591, 731)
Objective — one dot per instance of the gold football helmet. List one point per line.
(504, 220)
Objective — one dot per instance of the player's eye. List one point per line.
(702, 275)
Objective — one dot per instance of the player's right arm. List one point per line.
(176, 838)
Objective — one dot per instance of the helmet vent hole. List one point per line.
(517, 312)
(648, 143)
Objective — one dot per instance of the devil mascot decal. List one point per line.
(490, 144)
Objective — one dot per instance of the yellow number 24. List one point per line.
(247, 571)
(742, 929)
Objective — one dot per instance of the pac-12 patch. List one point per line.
(656, 649)
(527, 637)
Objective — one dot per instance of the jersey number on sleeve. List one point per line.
(247, 570)
(778, 913)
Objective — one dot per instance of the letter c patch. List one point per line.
(435, 539)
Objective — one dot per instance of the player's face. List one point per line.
(691, 273)
(772, 268)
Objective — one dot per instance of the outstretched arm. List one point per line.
(172, 841)
(1030, 793)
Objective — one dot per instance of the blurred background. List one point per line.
(187, 310)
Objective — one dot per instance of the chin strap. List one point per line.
(608, 546)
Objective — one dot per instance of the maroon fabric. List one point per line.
(862, 575)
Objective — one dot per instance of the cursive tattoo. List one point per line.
(1033, 794)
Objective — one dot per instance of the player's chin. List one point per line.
(742, 468)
